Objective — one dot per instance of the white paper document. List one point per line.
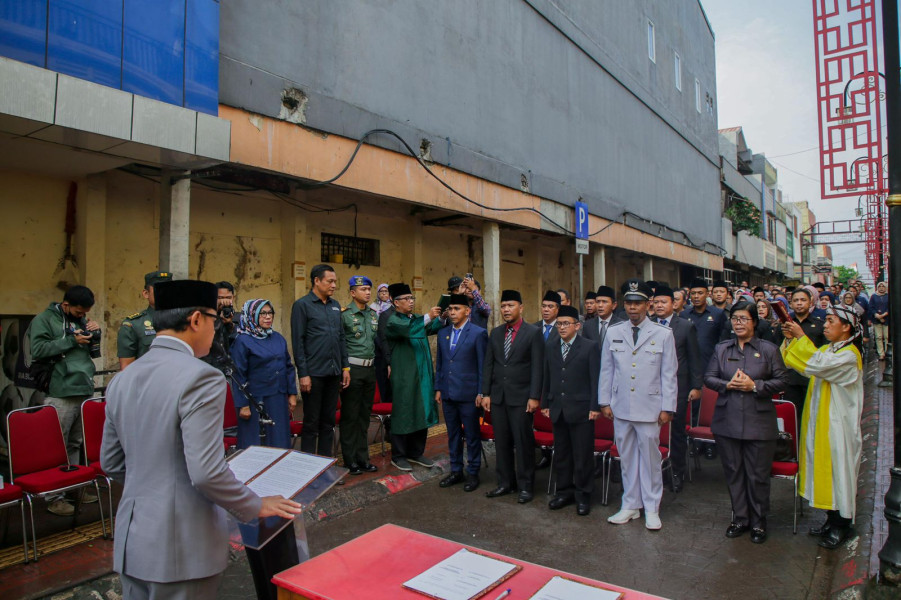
(460, 576)
(559, 588)
(253, 460)
(289, 475)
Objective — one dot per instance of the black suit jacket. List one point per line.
(517, 379)
(691, 369)
(553, 334)
(590, 329)
(570, 388)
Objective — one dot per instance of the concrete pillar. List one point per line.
(175, 223)
(491, 259)
(295, 266)
(90, 250)
(600, 266)
(532, 291)
(647, 272)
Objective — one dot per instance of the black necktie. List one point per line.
(635, 331)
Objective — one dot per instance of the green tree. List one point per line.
(744, 216)
(843, 274)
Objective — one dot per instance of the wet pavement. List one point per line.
(689, 558)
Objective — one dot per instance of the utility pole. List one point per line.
(890, 555)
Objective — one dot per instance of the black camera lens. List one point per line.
(94, 346)
(227, 312)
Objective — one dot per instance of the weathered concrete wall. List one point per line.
(560, 97)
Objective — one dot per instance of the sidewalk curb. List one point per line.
(852, 568)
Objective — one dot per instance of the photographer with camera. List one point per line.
(226, 327)
(63, 336)
(137, 332)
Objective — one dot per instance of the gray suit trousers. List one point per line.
(192, 589)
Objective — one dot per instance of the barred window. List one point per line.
(352, 250)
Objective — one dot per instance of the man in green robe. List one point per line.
(414, 409)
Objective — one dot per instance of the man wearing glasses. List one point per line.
(414, 409)
(569, 398)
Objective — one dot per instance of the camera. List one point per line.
(94, 343)
(227, 312)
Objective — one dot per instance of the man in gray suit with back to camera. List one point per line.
(163, 440)
(638, 390)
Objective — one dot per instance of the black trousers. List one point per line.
(319, 406)
(409, 445)
(356, 406)
(514, 441)
(381, 377)
(574, 459)
(747, 465)
(678, 438)
(796, 394)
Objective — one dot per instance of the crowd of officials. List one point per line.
(638, 356)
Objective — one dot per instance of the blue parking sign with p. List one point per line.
(581, 221)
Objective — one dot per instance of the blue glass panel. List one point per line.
(23, 30)
(153, 52)
(202, 56)
(84, 39)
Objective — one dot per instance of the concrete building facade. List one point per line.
(523, 107)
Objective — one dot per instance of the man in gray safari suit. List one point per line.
(163, 439)
(638, 390)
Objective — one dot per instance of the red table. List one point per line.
(375, 565)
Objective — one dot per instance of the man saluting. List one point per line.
(166, 409)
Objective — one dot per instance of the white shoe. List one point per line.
(624, 516)
(652, 520)
(61, 508)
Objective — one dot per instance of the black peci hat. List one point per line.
(185, 293)
(697, 282)
(720, 283)
(591, 295)
(569, 311)
(398, 289)
(511, 296)
(460, 299)
(663, 290)
(605, 291)
(551, 296)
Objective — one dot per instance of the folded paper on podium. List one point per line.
(268, 471)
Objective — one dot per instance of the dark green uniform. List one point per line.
(136, 334)
(360, 328)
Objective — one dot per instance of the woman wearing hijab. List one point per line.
(263, 364)
(826, 300)
(830, 437)
(382, 299)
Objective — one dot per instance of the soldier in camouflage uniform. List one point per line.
(136, 332)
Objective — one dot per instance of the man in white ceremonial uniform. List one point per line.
(163, 439)
(830, 437)
(638, 390)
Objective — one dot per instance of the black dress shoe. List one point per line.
(583, 509)
(758, 536)
(472, 483)
(678, 482)
(543, 463)
(369, 468)
(736, 530)
(525, 497)
(499, 491)
(559, 502)
(821, 530)
(835, 537)
(452, 479)
(355, 469)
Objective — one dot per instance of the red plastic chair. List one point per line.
(38, 460)
(93, 417)
(544, 439)
(702, 432)
(789, 469)
(486, 432)
(603, 441)
(229, 421)
(665, 461)
(12, 495)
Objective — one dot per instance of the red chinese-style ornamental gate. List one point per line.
(850, 106)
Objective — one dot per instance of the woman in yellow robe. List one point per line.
(830, 444)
